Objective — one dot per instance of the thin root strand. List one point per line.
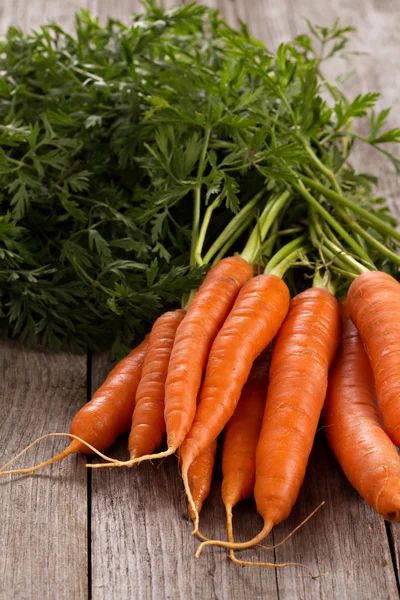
(72, 449)
(194, 511)
(238, 545)
(248, 563)
(294, 530)
(133, 461)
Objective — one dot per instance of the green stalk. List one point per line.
(232, 226)
(285, 251)
(346, 213)
(324, 282)
(357, 249)
(344, 273)
(280, 269)
(203, 230)
(197, 198)
(377, 223)
(331, 249)
(329, 174)
(268, 246)
(196, 223)
(260, 231)
(317, 236)
(233, 238)
(255, 237)
(370, 238)
(94, 284)
(332, 257)
(344, 257)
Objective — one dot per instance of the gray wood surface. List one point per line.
(141, 536)
(43, 524)
(139, 533)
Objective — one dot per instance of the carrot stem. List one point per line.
(322, 239)
(329, 174)
(324, 281)
(233, 238)
(284, 252)
(356, 227)
(329, 194)
(197, 197)
(263, 226)
(267, 246)
(232, 227)
(359, 251)
(203, 230)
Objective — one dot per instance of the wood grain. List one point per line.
(142, 545)
(346, 539)
(43, 523)
(30, 14)
(140, 541)
(119, 9)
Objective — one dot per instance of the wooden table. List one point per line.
(67, 533)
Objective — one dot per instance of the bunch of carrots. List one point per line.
(248, 357)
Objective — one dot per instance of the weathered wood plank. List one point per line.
(119, 9)
(31, 14)
(141, 536)
(43, 524)
(345, 539)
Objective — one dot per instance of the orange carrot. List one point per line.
(374, 307)
(200, 476)
(204, 318)
(148, 425)
(241, 437)
(106, 416)
(298, 378)
(253, 322)
(353, 427)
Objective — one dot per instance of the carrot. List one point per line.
(204, 318)
(256, 316)
(97, 425)
(241, 437)
(200, 476)
(374, 307)
(148, 425)
(298, 378)
(353, 427)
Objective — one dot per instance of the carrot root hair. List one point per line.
(248, 563)
(229, 529)
(72, 449)
(256, 540)
(268, 525)
(201, 537)
(129, 463)
(192, 506)
(294, 530)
